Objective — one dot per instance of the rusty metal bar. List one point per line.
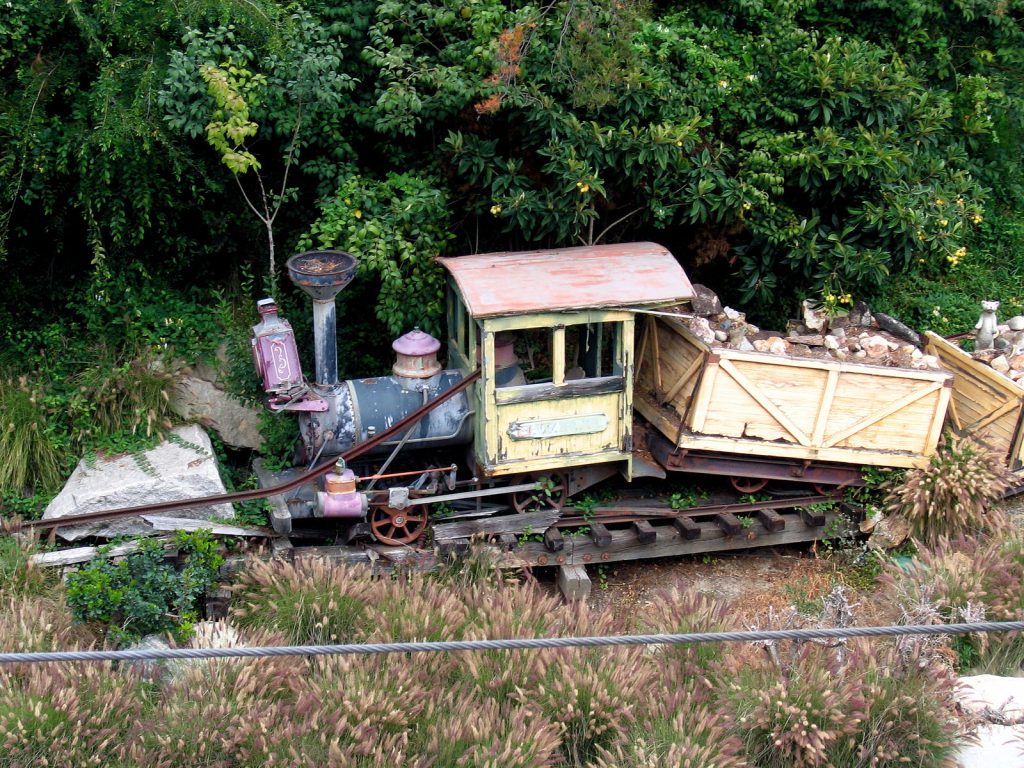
(261, 493)
(631, 514)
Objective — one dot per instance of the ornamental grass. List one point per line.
(629, 707)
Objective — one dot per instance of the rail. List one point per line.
(260, 493)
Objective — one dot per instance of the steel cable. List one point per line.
(513, 644)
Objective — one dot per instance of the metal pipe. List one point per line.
(325, 341)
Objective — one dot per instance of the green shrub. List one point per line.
(954, 494)
(143, 594)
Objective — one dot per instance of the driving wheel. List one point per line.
(398, 526)
(748, 484)
(551, 493)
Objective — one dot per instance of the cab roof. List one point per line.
(598, 276)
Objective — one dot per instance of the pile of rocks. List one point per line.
(1002, 347)
(859, 336)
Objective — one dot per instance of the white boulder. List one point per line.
(182, 467)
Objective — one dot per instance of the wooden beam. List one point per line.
(645, 532)
(600, 534)
(507, 541)
(771, 520)
(495, 526)
(573, 582)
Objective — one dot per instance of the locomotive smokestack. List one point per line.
(322, 275)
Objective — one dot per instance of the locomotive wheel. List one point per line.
(552, 493)
(747, 484)
(398, 527)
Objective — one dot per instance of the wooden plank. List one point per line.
(876, 416)
(687, 528)
(507, 541)
(773, 410)
(701, 402)
(62, 557)
(558, 355)
(845, 455)
(771, 520)
(453, 549)
(645, 532)
(729, 523)
(490, 408)
(553, 541)
(161, 523)
(688, 374)
(825, 407)
(551, 319)
(531, 393)
(494, 526)
(574, 582)
(600, 534)
(657, 357)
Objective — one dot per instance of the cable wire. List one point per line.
(513, 644)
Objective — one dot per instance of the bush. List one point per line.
(33, 457)
(143, 594)
(954, 494)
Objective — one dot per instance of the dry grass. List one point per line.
(593, 708)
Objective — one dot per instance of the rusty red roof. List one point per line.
(622, 275)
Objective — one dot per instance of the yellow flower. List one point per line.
(960, 202)
(747, 206)
(976, 218)
(939, 201)
(943, 222)
(495, 210)
(960, 252)
(723, 83)
(348, 201)
(357, 213)
(920, 235)
(584, 188)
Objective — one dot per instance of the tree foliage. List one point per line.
(784, 147)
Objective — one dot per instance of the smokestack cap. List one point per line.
(322, 274)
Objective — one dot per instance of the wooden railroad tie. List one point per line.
(812, 517)
(729, 523)
(688, 529)
(771, 520)
(600, 534)
(645, 532)
(553, 541)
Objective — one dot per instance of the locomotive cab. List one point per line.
(575, 308)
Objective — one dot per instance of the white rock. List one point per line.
(831, 343)
(1000, 364)
(999, 746)
(1003, 694)
(860, 354)
(761, 345)
(721, 336)
(701, 328)
(777, 345)
(814, 317)
(171, 471)
(876, 346)
(733, 314)
(745, 346)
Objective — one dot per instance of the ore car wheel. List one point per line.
(748, 484)
(398, 526)
(552, 494)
